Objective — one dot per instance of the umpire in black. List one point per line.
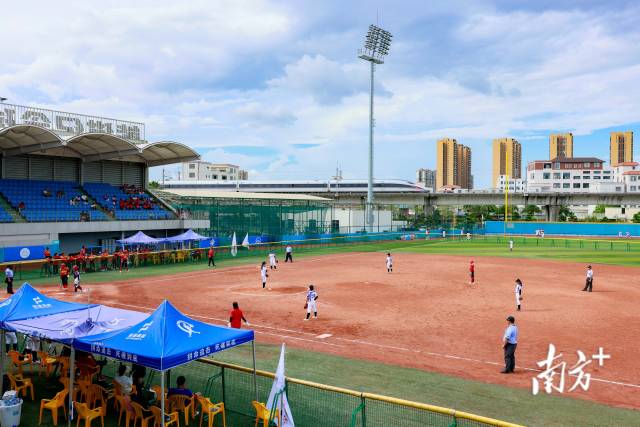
(509, 344)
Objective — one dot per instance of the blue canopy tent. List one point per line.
(165, 339)
(139, 239)
(28, 303)
(67, 326)
(187, 236)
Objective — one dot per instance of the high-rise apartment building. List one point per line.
(561, 145)
(620, 147)
(426, 178)
(453, 165)
(507, 159)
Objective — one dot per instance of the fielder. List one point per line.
(589, 282)
(311, 304)
(518, 291)
(264, 275)
(510, 245)
(389, 263)
(273, 262)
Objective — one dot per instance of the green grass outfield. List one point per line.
(515, 405)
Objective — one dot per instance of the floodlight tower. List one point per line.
(376, 47)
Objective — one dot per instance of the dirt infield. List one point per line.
(425, 314)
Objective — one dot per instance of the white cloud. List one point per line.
(272, 74)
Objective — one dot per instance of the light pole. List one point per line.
(376, 47)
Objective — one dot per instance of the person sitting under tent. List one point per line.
(125, 381)
(181, 389)
(143, 396)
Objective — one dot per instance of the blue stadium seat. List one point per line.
(109, 197)
(55, 207)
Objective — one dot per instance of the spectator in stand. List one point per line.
(46, 192)
(60, 194)
(21, 207)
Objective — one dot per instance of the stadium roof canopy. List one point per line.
(25, 139)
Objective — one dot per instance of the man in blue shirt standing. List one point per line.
(509, 344)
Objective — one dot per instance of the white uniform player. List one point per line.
(518, 292)
(510, 245)
(311, 303)
(389, 263)
(273, 262)
(264, 275)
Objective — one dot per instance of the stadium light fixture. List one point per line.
(376, 47)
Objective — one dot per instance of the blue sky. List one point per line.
(277, 88)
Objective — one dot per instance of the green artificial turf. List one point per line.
(509, 404)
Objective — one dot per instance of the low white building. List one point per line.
(628, 173)
(516, 185)
(206, 171)
(572, 175)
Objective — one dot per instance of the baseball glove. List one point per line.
(306, 305)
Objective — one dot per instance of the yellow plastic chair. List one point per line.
(263, 414)
(97, 393)
(64, 366)
(180, 256)
(155, 259)
(88, 415)
(211, 410)
(157, 418)
(179, 402)
(122, 408)
(18, 363)
(47, 362)
(58, 401)
(83, 387)
(21, 384)
(138, 414)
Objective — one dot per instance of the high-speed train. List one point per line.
(313, 186)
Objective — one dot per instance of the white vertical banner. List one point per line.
(234, 245)
(245, 241)
(278, 390)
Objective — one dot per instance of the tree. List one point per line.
(636, 217)
(529, 212)
(154, 184)
(565, 214)
(599, 209)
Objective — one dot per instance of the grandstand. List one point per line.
(71, 179)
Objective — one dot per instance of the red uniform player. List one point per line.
(472, 272)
